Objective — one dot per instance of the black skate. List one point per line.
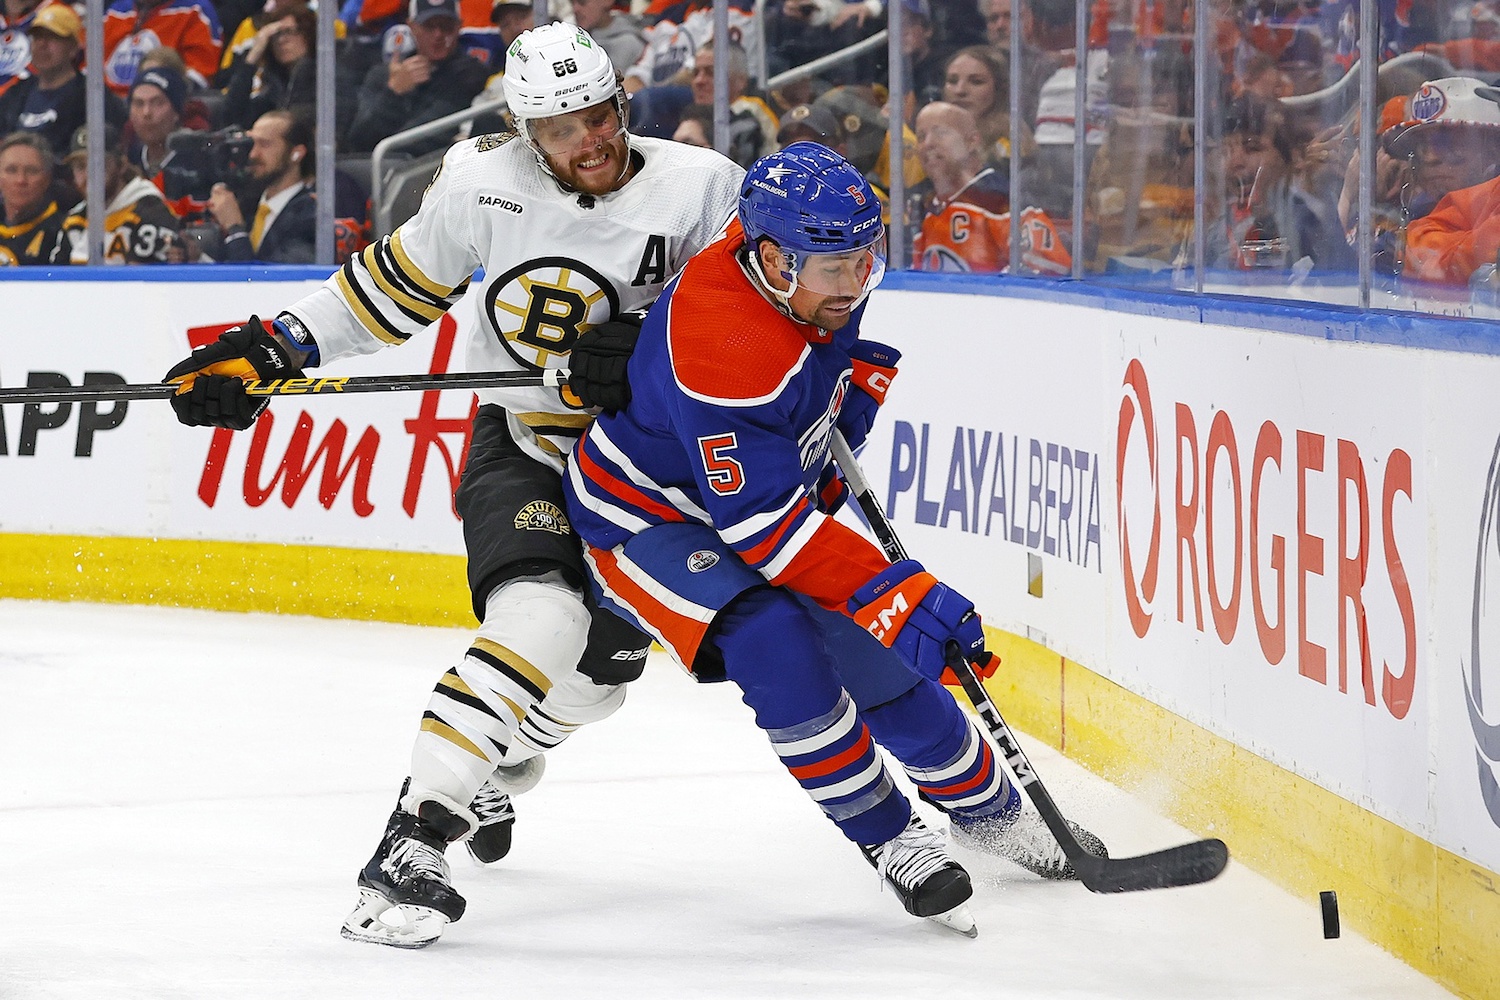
(929, 882)
(405, 897)
(1020, 836)
(492, 806)
(491, 840)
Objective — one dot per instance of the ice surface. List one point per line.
(185, 798)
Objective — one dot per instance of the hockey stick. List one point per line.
(1186, 864)
(551, 378)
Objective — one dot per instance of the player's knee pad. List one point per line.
(533, 633)
(616, 651)
(542, 621)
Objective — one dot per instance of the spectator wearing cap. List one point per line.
(511, 18)
(809, 123)
(1453, 145)
(156, 100)
(32, 228)
(433, 81)
(141, 229)
(619, 35)
(50, 102)
(134, 27)
(15, 37)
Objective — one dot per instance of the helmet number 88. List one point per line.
(564, 67)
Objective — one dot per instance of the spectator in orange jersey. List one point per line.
(134, 27)
(962, 209)
(1453, 144)
(16, 18)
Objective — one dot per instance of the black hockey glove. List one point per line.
(598, 360)
(212, 392)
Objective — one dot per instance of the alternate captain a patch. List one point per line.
(543, 515)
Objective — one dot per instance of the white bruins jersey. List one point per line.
(555, 264)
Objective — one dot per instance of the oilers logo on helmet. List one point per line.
(538, 309)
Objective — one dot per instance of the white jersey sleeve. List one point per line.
(399, 286)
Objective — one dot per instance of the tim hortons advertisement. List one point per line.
(373, 470)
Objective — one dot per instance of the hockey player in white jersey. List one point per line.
(575, 223)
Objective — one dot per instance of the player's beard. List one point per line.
(601, 180)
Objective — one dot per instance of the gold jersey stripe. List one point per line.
(413, 273)
(366, 318)
(578, 420)
(549, 447)
(392, 270)
(414, 307)
(524, 670)
(447, 732)
(452, 680)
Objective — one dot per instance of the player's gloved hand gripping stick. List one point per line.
(226, 383)
(1187, 864)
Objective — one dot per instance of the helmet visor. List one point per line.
(576, 131)
(849, 273)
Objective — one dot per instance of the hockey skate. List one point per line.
(929, 882)
(1019, 835)
(497, 817)
(405, 896)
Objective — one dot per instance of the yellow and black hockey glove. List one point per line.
(211, 390)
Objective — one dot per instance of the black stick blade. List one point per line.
(1187, 864)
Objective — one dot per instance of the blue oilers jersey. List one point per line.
(732, 411)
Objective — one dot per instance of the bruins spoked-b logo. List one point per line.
(1485, 623)
(539, 308)
(543, 515)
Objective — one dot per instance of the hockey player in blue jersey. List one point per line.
(705, 510)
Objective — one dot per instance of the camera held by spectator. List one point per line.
(202, 159)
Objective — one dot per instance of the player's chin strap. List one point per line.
(781, 300)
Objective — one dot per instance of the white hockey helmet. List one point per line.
(557, 69)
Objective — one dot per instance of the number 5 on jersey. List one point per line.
(726, 476)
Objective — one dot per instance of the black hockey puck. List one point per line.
(1330, 900)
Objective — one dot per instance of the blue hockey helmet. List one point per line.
(811, 202)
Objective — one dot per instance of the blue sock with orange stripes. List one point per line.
(773, 650)
(952, 765)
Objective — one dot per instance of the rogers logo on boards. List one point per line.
(1191, 517)
(1486, 734)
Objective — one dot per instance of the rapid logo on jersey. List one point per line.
(538, 309)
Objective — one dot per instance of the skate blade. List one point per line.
(958, 919)
(376, 920)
